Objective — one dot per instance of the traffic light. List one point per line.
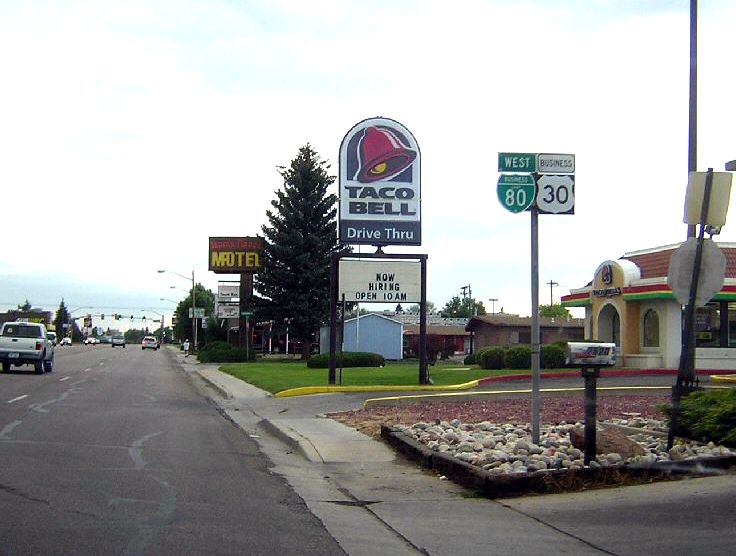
(131, 317)
(102, 316)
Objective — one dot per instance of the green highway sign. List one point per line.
(517, 162)
(247, 314)
(516, 191)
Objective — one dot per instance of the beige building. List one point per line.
(629, 303)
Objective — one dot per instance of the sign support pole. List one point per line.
(245, 293)
(423, 374)
(535, 324)
(334, 258)
(686, 380)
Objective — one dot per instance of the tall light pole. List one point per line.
(194, 304)
(493, 305)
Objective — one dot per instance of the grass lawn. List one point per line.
(275, 376)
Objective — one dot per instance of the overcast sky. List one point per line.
(132, 131)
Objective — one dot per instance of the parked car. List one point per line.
(52, 337)
(150, 342)
(90, 341)
(118, 341)
(65, 341)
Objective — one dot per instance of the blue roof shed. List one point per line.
(376, 334)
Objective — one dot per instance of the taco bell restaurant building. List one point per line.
(630, 304)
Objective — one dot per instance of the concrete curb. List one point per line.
(293, 439)
(546, 482)
(224, 392)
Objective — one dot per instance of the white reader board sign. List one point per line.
(380, 281)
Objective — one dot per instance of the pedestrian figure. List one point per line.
(186, 347)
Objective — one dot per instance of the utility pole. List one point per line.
(493, 305)
(468, 294)
(551, 284)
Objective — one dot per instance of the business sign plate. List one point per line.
(380, 281)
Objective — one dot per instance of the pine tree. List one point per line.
(62, 317)
(301, 234)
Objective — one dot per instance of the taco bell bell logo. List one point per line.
(379, 185)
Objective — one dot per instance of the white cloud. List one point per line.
(148, 126)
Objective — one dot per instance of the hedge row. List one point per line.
(349, 359)
(222, 352)
(551, 356)
(707, 416)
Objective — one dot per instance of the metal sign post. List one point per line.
(535, 326)
(534, 186)
(686, 379)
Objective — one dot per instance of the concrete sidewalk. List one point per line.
(375, 502)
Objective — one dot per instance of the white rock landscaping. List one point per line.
(507, 449)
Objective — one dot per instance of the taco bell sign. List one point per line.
(379, 185)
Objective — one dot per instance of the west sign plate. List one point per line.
(516, 191)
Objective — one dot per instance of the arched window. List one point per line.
(650, 329)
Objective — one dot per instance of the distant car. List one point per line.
(149, 342)
(118, 341)
(51, 336)
(65, 341)
(90, 341)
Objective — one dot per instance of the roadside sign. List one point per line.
(555, 163)
(198, 313)
(517, 162)
(246, 313)
(556, 194)
(712, 271)
(380, 281)
(227, 310)
(516, 191)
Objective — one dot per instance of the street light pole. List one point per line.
(194, 315)
(493, 305)
(194, 303)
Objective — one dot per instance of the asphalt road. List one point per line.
(117, 452)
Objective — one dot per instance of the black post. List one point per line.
(245, 292)
(423, 374)
(686, 380)
(334, 258)
(341, 337)
(590, 374)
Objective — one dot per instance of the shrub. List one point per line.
(552, 356)
(491, 358)
(470, 359)
(707, 416)
(519, 357)
(349, 359)
(222, 352)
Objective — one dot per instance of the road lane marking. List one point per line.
(63, 379)
(136, 450)
(18, 398)
(8, 429)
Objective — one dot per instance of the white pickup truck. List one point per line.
(26, 343)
